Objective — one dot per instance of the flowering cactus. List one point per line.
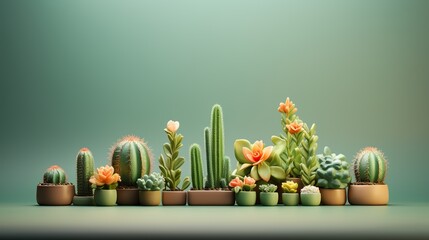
(290, 187)
(55, 175)
(105, 178)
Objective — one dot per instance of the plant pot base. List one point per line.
(83, 201)
(377, 194)
(127, 196)
(55, 195)
(335, 197)
(211, 198)
(174, 198)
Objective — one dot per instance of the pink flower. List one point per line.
(236, 182)
(258, 154)
(104, 176)
(294, 127)
(172, 126)
(249, 181)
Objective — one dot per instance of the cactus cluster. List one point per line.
(267, 187)
(370, 166)
(152, 182)
(55, 175)
(333, 171)
(84, 171)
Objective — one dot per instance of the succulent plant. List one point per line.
(84, 171)
(105, 178)
(267, 187)
(333, 171)
(308, 163)
(131, 158)
(196, 167)
(310, 189)
(55, 175)
(171, 163)
(370, 165)
(290, 187)
(152, 182)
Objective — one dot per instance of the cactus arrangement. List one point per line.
(84, 171)
(131, 158)
(55, 175)
(370, 166)
(152, 182)
(333, 171)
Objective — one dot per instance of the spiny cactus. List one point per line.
(370, 165)
(226, 172)
(55, 175)
(131, 158)
(308, 163)
(196, 167)
(84, 171)
(152, 182)
(333, 171)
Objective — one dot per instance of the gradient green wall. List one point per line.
(84, 73)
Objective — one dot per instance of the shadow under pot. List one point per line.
(149, 198)
(55, 194)
(105, 197)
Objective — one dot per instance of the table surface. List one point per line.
(397, 220)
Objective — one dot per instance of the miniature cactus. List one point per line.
(267, 187)
(196, 167)
(55, 175)
(370, 165)
(290, 187)
(310, 189)
(131, 158)
(84, 171)
(152, 182)
(333, 171)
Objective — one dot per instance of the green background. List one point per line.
(85, 73)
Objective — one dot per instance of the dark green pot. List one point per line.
(245, 198)
(105, 197)
(290, 199)
(310, 199)
(269, 198)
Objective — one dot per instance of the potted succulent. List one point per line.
(369, 168)
(290, 196)
(55, 190)
(105, 181)
(84, 171)
(268, 194)
(215, 191)
(170, 167)
(310, 196)
(244, 193)
(150, 187)
(333, 177)
(131, 158)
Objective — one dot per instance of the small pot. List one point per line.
(245, 198)
(377, 194)
(105, 197)
(332, 196)
(269, 198)
(174, 198)
(83, 201)
(290, 199)
(127, 196)
(55, 195)
(211, 198)
(310, 199)
(149, 198)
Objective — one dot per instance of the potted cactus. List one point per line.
(170, 166)
(104, 182)
(55, 190)
(333, 177)
(131, 158)
(290, 196)
(244, 193)
(84, 171)
(369, 167)
(215, 191)
(150, 187)
(310, 196)
(268, 194)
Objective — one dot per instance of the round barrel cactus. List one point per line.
(333, 171)
(370, 165)
(84, 171)
(54, 175)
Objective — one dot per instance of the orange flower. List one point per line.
(287, 107)
(236, 182)
(249, 181)
(104, 176)
(294, 127)
(258, 153)
(172, 126)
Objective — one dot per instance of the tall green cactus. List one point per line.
(210, 172)
(196, 167)
(84, 171)
(309, 162)
(131, 158)
(54, 175)
(370, 165)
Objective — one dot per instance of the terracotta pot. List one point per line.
(368, 194)
(127, 196)
(310, 199)
(269, 198)
(333, 196)
(245, 198)
(55, 195)
(149, 198)
(290, 199)
(174, 198)
(83, 201)
(105, 197)
(211, 198)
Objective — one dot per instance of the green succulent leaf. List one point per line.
(238, 150)
(178, 163)
(254, 173)
(278, 172)
(264, 171)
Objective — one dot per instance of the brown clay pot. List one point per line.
(333, 196)
(377, 194)
(127, 196)
(55, 195)
(149, 198)
(173, 198)
(211, 198)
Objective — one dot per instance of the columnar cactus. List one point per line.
(152, 182)
(131, 158)
(54, 175)
(308, 163)
(84, 171)
(333, 171)
(196, 167)
(370, 165)
(209, 161)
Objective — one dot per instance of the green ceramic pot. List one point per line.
(310, 199)
(245, 198)
(290, 199)
(105, 197)
(269, 198)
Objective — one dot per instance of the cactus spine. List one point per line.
(131, 158)
(84, 171)
(54, 175)
(196, 167)
(370, 165)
